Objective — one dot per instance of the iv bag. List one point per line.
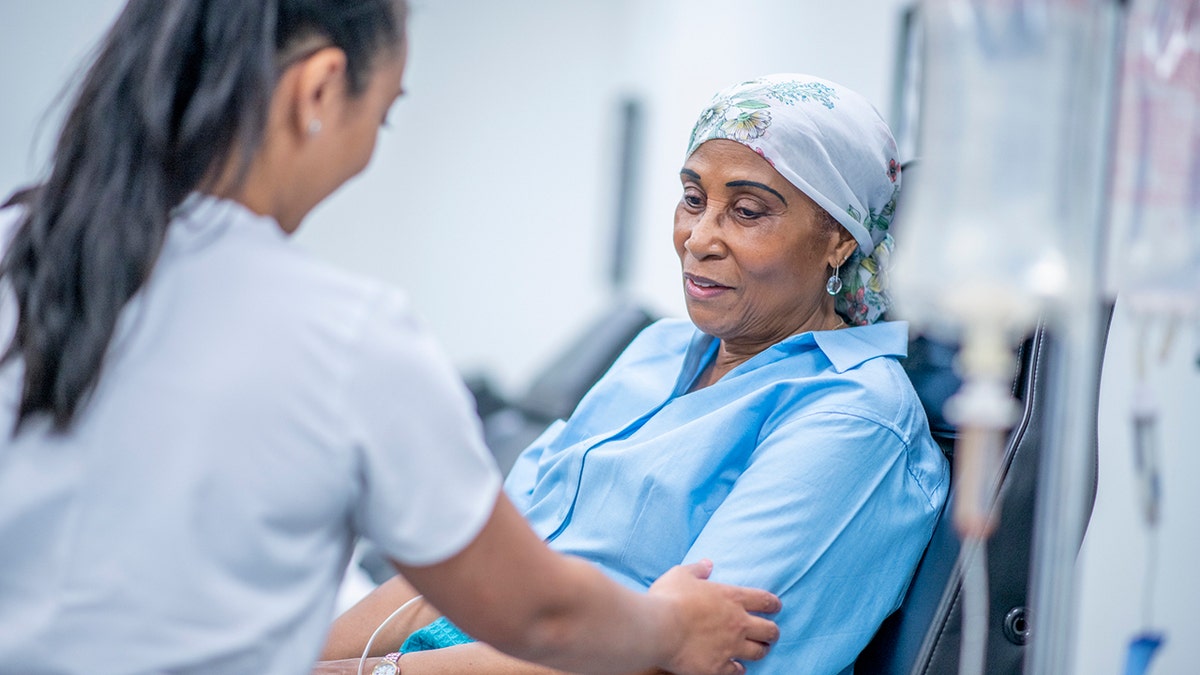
(1156, 185)
(1007, 170)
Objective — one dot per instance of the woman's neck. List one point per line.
(731, 353)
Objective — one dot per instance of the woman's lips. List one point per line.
(702, 288)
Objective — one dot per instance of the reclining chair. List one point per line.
(509, 426)
(924, 635)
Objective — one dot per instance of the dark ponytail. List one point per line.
(178, 87)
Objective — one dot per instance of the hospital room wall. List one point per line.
(492, 198)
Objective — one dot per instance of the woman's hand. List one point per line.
(717, 628)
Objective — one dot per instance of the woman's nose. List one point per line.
(704, 239)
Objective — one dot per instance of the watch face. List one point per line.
(385, 668)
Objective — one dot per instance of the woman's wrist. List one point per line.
(388, 665)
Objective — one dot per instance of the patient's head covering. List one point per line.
(830, 143)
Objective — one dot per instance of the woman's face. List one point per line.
(755, 255)
(322, 135)
(358, 128)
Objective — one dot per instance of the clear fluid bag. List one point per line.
(1007, 164)
(1156, 184)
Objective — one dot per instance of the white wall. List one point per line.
(491, 200)
(42, 44)
(1117, 549)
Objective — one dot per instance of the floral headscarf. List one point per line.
(831, 144)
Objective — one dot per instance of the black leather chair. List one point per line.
(509, 426)
(924, 635)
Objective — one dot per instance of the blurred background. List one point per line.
(495, 195)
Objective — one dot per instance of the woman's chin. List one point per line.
(707, 322)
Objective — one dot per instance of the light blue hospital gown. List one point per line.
(808, 471)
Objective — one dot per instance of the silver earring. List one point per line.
(314, 127)
(835, 281)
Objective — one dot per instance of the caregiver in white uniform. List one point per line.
(196, 418)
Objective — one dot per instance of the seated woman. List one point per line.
(774, 433)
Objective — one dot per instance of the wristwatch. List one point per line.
(390, 665)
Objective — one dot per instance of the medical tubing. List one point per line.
(972, 655)
(362, 660)
(1147, 458)
(983, 410)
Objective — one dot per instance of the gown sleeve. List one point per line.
(827, 516)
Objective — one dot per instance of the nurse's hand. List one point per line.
(719, 627)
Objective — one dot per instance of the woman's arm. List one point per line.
(476, 658)
(508, 589)
(832, 513)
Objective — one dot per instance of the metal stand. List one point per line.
(1062, 498)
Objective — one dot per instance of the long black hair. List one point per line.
(179, 89)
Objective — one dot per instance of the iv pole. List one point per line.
(1061, 512)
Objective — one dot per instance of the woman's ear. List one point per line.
(843, 248)
(319, 91)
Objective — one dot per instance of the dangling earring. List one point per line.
(314, 127)
(835, 281)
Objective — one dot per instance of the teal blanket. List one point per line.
(438, 634)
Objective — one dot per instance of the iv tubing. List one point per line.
(367, 650)
(972, 657)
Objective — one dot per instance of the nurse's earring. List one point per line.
(314, 127)
(835, 281)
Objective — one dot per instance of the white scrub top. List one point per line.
(256, 410)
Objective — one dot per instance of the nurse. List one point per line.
(196, 419)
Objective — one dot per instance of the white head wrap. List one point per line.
(831, 144)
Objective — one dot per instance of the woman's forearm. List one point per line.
(476, 658)
(349, 633)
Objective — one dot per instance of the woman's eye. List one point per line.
(693, 200)
(746, 213)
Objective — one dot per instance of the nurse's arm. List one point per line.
(350, 632)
